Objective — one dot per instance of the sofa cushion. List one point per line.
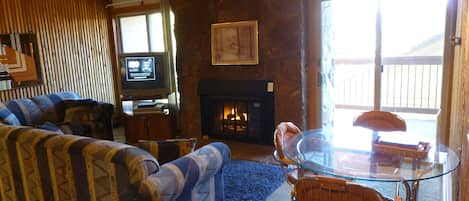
(50, 127)
(26, 111)
(43, 165)
(7, 116)
(67, 95)
(50, 107)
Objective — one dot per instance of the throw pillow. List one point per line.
(168, 150)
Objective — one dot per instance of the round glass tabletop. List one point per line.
(349, 153)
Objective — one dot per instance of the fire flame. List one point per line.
(233, 114)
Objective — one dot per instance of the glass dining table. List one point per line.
(348, 153)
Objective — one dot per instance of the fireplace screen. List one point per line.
(234, 119)
(240, 110)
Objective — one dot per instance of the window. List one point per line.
(145, 29)
(142, 33)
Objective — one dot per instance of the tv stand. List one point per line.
(146, 103)
(148, 120)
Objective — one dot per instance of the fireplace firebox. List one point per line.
(241, 110)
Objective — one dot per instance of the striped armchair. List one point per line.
(65, 111)
(37, 164)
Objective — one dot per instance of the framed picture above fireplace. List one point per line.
(235, 43)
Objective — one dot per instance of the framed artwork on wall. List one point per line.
(19, 58)
(235, 43)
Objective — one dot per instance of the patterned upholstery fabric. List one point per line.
(37, 164)
(168, 150)
(197, 176)
(67, 110)
(52, 104)
(26, 111)
(6, 116)
(67, 95)
(51, 107)
(50, 127)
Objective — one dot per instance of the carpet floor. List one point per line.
(250, 181)
(253, 181)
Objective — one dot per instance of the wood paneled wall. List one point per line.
(463, 95)
(73, 45)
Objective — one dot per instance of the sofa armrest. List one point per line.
(97, 116)
(196, 176)
(106, 108)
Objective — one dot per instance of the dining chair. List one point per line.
(284, 132)
(380, 121)
(323, 188)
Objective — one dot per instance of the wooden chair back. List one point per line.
(322, 188)
(380, 121)
(284, 132)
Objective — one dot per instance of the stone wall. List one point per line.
(279, 53)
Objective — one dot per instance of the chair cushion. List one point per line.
(7, 116)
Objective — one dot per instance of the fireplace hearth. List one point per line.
(241, 110)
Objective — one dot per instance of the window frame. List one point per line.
(120, 45)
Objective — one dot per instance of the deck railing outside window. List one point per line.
(409, 84)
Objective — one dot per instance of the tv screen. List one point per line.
(140, 68)
(144, 75)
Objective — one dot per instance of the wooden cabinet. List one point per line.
(148, 126)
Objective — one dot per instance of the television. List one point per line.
(144, 75)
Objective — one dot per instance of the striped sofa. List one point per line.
(37, 164)
(65, 111)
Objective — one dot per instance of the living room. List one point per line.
(78, 51)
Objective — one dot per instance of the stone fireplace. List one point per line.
(241, 110)
(281, 46)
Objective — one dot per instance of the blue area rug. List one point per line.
(250, 181)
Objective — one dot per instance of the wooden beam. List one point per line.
(135, 9)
